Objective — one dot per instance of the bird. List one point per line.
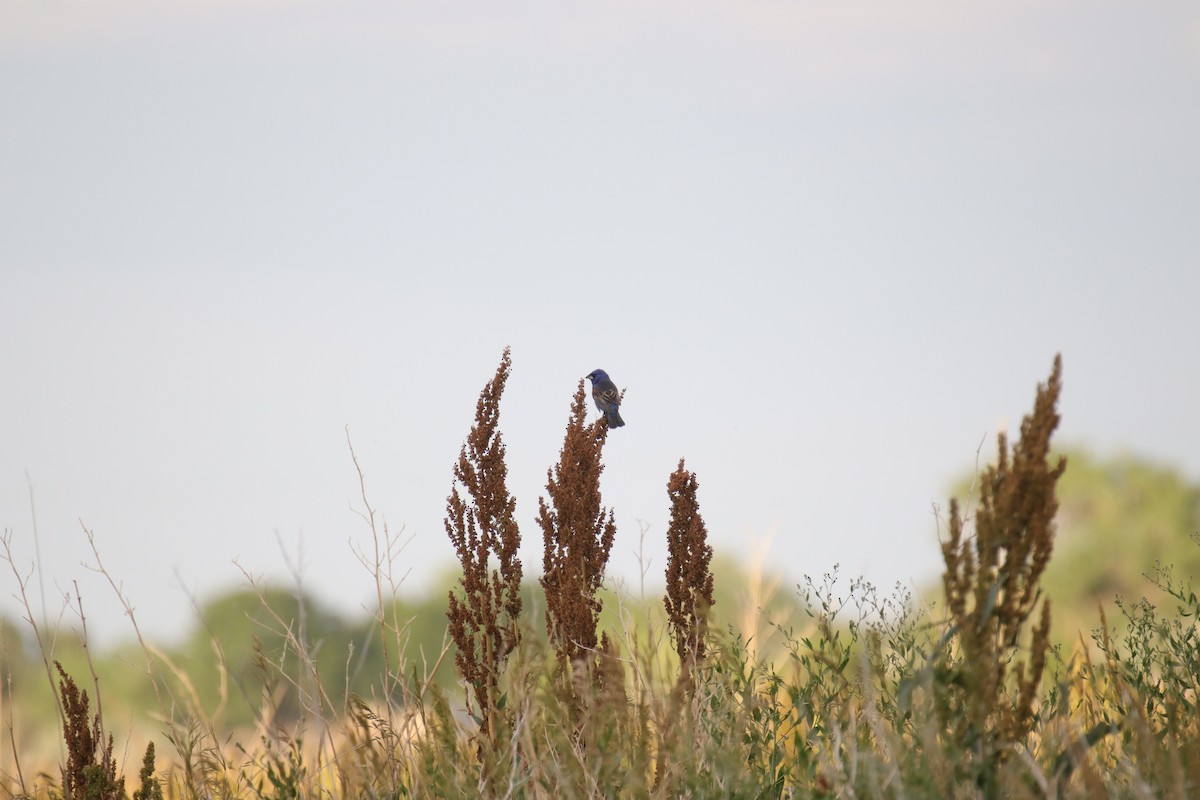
(607, 397)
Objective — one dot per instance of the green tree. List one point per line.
(1118, 518)
(266, 652)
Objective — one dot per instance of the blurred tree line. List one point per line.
(1119, 520)
(1118, 517)
(242, 642)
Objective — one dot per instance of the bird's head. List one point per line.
(597, 375)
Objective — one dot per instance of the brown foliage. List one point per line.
(991, 580)
(689, 579)
(577, 534)
(84, 777)
(484, 619)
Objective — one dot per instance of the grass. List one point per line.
(870, 696)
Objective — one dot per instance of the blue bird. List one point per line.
(607, 397)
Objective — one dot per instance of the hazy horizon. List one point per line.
(827, 250)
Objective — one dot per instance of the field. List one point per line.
(561, 689)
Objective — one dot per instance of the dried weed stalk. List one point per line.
(90, 772)
(484, 619)
(689, 578)
(991, 581)
(577, 534)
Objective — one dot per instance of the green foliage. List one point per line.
(281, 773)
(845, 705)
(1157, 657)
(864, 694)
(150, 787)
(248, 634)
(1118, 518)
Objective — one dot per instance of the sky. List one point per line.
(827, 249)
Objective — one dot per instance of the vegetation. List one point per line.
(872, 695)
(991, 588)
(689, 595)
(484, 619)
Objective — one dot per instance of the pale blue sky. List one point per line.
(826, 248)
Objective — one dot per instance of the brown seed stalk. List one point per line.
(689, 580)
(484, 614)
(577, 535)
(991, 580)
(91, 771)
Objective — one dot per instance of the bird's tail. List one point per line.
(614, 418)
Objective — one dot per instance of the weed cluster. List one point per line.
(689, 577)
(484, 619)
(991, 586)
(871, 696)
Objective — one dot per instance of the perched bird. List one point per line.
(607, 398)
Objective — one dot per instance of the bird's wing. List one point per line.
(607, 390)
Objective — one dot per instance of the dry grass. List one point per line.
(872, 698)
